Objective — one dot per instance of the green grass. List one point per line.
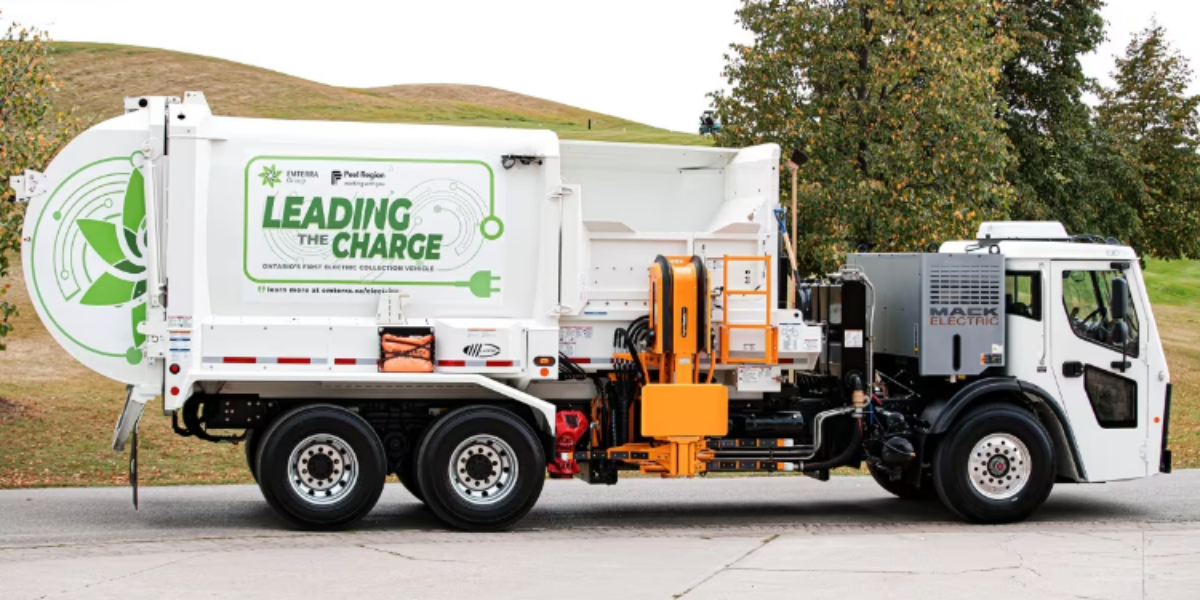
(1173, 283)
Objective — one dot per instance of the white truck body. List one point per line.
(558, 249)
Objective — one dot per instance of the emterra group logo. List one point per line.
(270, 175)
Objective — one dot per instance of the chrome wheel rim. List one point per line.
(483, 469)
(322, 469)
(999, 467)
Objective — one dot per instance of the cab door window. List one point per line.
(1023, 294)
(1086, 300)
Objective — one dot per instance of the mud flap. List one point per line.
(135, 403)
(133, 483)
(136, 398)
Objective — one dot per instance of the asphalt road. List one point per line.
(766, 537)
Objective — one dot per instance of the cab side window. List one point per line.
(1086, 300)
(1023, 294)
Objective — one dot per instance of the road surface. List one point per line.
(768, 537)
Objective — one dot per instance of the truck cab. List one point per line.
(1063, 338)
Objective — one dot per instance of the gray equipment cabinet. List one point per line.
(946, 310)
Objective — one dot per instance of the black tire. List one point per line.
(901, 488)
(468, 438)
(342, 436)
(957, 463)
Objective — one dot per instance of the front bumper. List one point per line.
(1164, 460)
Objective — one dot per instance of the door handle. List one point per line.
(1116, 364)
(1072, 369)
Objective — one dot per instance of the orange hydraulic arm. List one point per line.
(677, 412)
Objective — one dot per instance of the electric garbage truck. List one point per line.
(479, 310)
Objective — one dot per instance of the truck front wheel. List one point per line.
(480, 468)
(321, 467)
(995, 466)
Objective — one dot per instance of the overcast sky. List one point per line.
(652, 61)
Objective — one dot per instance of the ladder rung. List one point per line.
(746, 292)
(748, 326)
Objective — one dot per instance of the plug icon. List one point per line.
(480, 284)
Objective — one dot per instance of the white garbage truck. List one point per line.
(479, 310)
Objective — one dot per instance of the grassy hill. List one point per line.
(1175, 282)
(96, 77)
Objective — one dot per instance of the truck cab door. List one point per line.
(1104, 387)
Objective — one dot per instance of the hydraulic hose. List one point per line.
(794, 453)
(798, 455)
(839, 460)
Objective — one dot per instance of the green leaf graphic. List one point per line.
(128, 267)
(137, 316)
(139, 288)
(131, 241)
(134, 209)
(108, 291)
(102, 237)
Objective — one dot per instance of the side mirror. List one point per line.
(1120, 333)
(1119, 299)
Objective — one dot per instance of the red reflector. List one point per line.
(239, 360)
(580, 361)
(786, 361)
(499, 363)
(174, 369)
(452, 363)
(344, 361)
(294, 361)
(174, 391)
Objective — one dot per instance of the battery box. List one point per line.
(946, 310)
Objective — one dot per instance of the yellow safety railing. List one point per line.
(771, 355)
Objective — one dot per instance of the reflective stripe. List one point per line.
(591, 360)
(478, 363)
(361, 362)
(264, 360)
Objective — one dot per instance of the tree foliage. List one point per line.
(896, 104)
(31, 132)
(1155, 122)
(1064, 164)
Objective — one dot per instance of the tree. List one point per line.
(1049, 124)
(1157, 124)
(30, 134)
(895, 103)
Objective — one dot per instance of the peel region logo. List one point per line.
(363, 178)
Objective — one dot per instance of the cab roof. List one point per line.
(1039, 239)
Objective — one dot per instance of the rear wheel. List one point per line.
(995, 466)
(321, 467)
(480, 468)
